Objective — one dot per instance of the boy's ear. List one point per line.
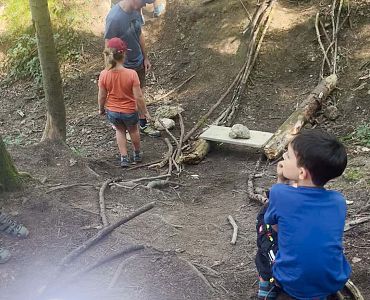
(303, 173)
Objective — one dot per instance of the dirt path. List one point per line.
(190, 220)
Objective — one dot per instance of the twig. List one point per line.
(248, 14)
(63, 187)
(166, 159)
(209, 270)
(118, 272)
(129, 187)
(175, 89)
(149, 164)
(147, 178)
(320, 42)
(235, 229)
(92, 171)
(169, 155)
(199, 273)
(182, 133)
(101, 234)
(349, 225)
(252, 195)
(169, 133)
(212, 109)
(336, 38)
(102, 202)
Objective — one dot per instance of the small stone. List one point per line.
(239, 131)
(168, 123)
(356, 260)
(331, 112)
(182, 36)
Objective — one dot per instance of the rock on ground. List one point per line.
(239, 131)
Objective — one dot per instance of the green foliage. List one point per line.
(353, 174)
(22, 56)
(360, 136)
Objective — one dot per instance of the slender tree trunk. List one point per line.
(9, 177)
(55, 128)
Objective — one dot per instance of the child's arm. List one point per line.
(138, 94)
(102, 97)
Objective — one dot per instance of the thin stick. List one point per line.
(118, 273)
(165, 160)
(336, 37)
(235, 229)
(102, 202)
(175, 89)
(210, 271)
(217, 104)
(252, 195)
(199, 273)
(349, 225)
(101, 234)
(63, 187)
(182, 133)
(248, 14)
(168, 132)
(144, 165)
(170, 151)
(320, 42)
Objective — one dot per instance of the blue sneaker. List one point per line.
(125, 161)
(138, 156)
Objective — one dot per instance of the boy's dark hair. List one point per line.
(321, 154)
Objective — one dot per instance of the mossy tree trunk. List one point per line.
(9, 177)
(55, 128)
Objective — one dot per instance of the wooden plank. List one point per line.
(221, 134)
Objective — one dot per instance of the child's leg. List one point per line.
(121, 139)
(135, 137)
(267, 248)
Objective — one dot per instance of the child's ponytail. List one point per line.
(111, 57)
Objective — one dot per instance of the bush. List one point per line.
(22, 57)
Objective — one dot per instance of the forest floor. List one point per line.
(189, 222)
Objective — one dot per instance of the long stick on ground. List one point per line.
(349, 225)
(199, 273)
(103, 233)
(235, 229)
(102, 202)
(175, 89)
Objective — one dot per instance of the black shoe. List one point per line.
(125, 161)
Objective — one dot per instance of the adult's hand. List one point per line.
(101, 111)
(147, 64)
(280, 173)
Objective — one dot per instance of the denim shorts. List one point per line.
(127, 120)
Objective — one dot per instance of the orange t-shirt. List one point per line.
(119, 84)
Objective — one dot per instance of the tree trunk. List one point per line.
(306, 110)
(55, 128)
(9, 177)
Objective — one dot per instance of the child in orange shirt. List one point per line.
(121, 99)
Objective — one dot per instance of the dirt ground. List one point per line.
(188, 226)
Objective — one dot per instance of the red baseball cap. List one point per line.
(118, 44)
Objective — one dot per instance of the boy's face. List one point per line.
(290, 168)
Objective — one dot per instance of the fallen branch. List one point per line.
(305, 112)
(175, 89)
(209, 270)
(247, 11)
(235, 229)
(181, 140)
(149, 164)
(168, 156)
(101, 234)
(349, 225)
(102, 202)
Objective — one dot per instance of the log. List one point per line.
(198, 151)
(304, 113)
